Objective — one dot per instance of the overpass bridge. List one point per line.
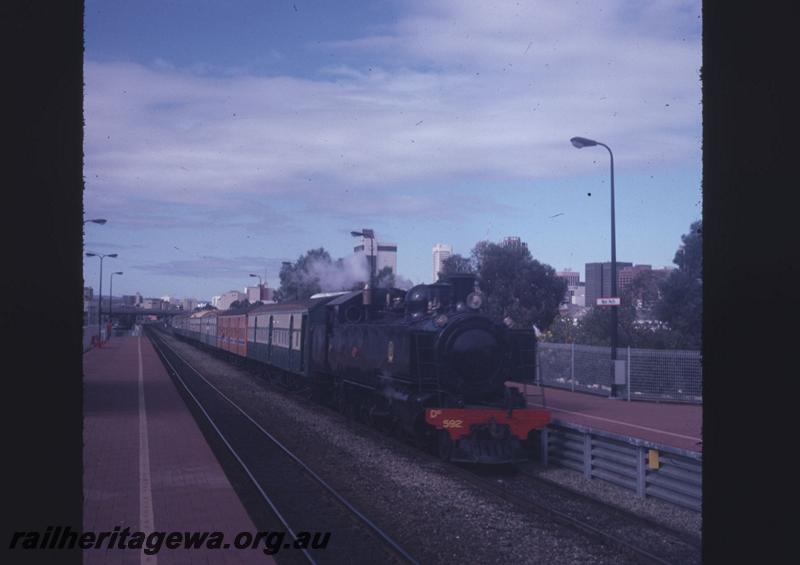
(127, 316)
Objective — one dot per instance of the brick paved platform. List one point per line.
(147, 466)
(677, 425)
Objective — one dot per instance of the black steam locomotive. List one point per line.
(426, 363)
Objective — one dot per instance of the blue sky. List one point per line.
(224, 137)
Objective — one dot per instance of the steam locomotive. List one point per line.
(427, 363)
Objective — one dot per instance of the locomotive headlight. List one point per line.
(441, 320)
(508, 322)
(474, 300)
(460, 307)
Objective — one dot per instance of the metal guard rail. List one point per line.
(651, 470)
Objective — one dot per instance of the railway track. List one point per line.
(646, 540)
(298, 497)
(643, 539)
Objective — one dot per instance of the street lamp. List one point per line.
(95, 221)
(369, 234)
(100, 297)
(581, 142)
(111, 296)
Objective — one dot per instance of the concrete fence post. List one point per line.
(572, 365)
(587, 456)
(641, 471)
(629, 373)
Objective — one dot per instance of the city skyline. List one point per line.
(221, 141)
(245, 289)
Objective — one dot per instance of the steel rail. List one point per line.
(563, 517)
(560, 516)
(233, 452)
(685, 537)
(394, 545)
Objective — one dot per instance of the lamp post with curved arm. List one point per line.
(369, 234)
(100, 297)
(111, 296)
(581, 142)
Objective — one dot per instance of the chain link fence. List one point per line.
(650, 374)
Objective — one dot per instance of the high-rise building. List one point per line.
(379, 254)
(229, 298)
(259, 292)
(577, 295)
(626, 274)
(441, 251)
(511, 241)
(572, 277)
(598, 280)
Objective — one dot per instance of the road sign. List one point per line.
(608, 301)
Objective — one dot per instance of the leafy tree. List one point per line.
(244, 303)
(301, 279)
(564, 330)
(456, 264)
(676, 302)
(595, 327)
(644, 291)
(385, 278)
(517, 285)
(681, 305)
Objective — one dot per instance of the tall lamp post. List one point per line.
(581, 142)
(100, 297)
(369, 234)
(111, 296)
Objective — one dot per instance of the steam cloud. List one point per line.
(336, 276)
(340, 275)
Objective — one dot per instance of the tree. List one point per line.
(644, 291)
(302, 279)
(516, 285)
(385, 278)
(456, 264)
(564, 330)
(681, 304)
(243, 303)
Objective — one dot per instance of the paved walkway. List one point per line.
(147, 466)
(678, 425)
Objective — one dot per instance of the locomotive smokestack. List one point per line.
(367, 294)
(463, 284)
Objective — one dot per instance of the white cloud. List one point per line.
(457, 90)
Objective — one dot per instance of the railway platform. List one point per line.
(675, 425)
(147, 466)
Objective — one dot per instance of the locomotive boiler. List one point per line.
(427, 363)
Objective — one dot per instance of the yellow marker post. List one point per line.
(652, 459)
